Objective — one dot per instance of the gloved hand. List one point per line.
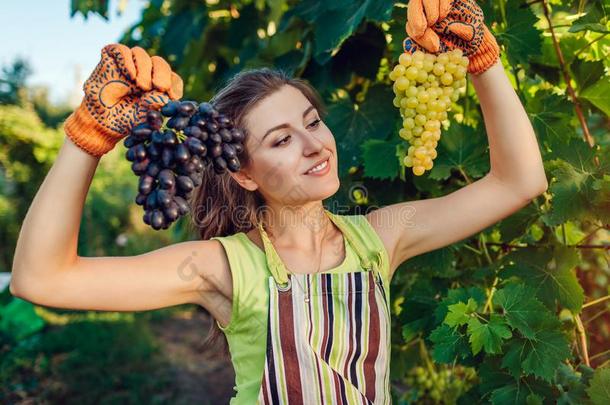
(123, 87)
(437, 26)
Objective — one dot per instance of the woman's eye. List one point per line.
(315, 123)
(282, 141)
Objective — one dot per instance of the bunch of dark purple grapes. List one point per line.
(170, 161)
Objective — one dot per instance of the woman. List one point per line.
(300, 293)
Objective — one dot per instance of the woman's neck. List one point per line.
(303, 226)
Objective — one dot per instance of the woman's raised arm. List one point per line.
(516, 177)
(516, 173)
(46, 267)
(48, 271)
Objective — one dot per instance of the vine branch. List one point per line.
(583, 339)
(527, 245)
(597, 301)
(581, 118)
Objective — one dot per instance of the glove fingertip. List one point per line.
(444, 8)
(124, 59)
(177, 87)
(161, 74)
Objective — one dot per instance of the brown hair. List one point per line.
(220, 206)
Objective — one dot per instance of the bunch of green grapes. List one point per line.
(425, 86)
(442, 387)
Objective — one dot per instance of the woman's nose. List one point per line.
(312, 143)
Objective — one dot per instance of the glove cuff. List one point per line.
(486, 55)
(88, 134)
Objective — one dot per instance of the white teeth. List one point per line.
(319, 167)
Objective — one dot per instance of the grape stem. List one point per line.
(597, 315)
(424, 352)
(463, 173)
(488, 306)
(582, 337)
(597, 301)
(600, 354)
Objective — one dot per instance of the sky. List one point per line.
(57, 46)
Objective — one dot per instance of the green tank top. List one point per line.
(246, 332)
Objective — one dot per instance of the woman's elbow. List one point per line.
(537, 189)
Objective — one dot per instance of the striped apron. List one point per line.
(328, 334)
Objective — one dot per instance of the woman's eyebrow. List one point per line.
(270, 130)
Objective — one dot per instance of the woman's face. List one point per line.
(285, 139)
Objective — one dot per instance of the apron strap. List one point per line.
(274, 262)
(279, 271)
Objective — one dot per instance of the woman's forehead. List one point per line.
(282, 106)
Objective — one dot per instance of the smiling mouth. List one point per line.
(321, 167)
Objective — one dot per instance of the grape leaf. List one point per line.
(416, 313)
(598, 94)
(380, 159)
(459, 313)
(569, 46)
(334, 21)
(550, 115)
(569, 192)
(502, 388)
(571, 385)
(600, 203)
(449, 344)
(397, 30)
(512, 393)
(586, 73)
(539, 355)
(522, 309)
(599, 387)
(85, 7)
(521, 38)
(180, 29)
(456, 295)
(352, 124)
(518, 223)
(596, 18)
(488, 335)
(436, 263)
(550, 273)
(576, 152)
(461, 147)
(369, 40)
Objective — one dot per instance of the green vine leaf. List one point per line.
(539, 355)
(459, 314)
(598, 94)
(599, 387)
(460, 147)
(449, 344)
(488, 335)
(522, 309)
(374, 167)
(595, 19)
(550, 273)
(521, 37)
(352, 124)
(550, 115)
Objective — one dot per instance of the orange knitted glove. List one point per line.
(123, 87)
(437, 26)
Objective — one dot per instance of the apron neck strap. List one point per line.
(277, 267)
